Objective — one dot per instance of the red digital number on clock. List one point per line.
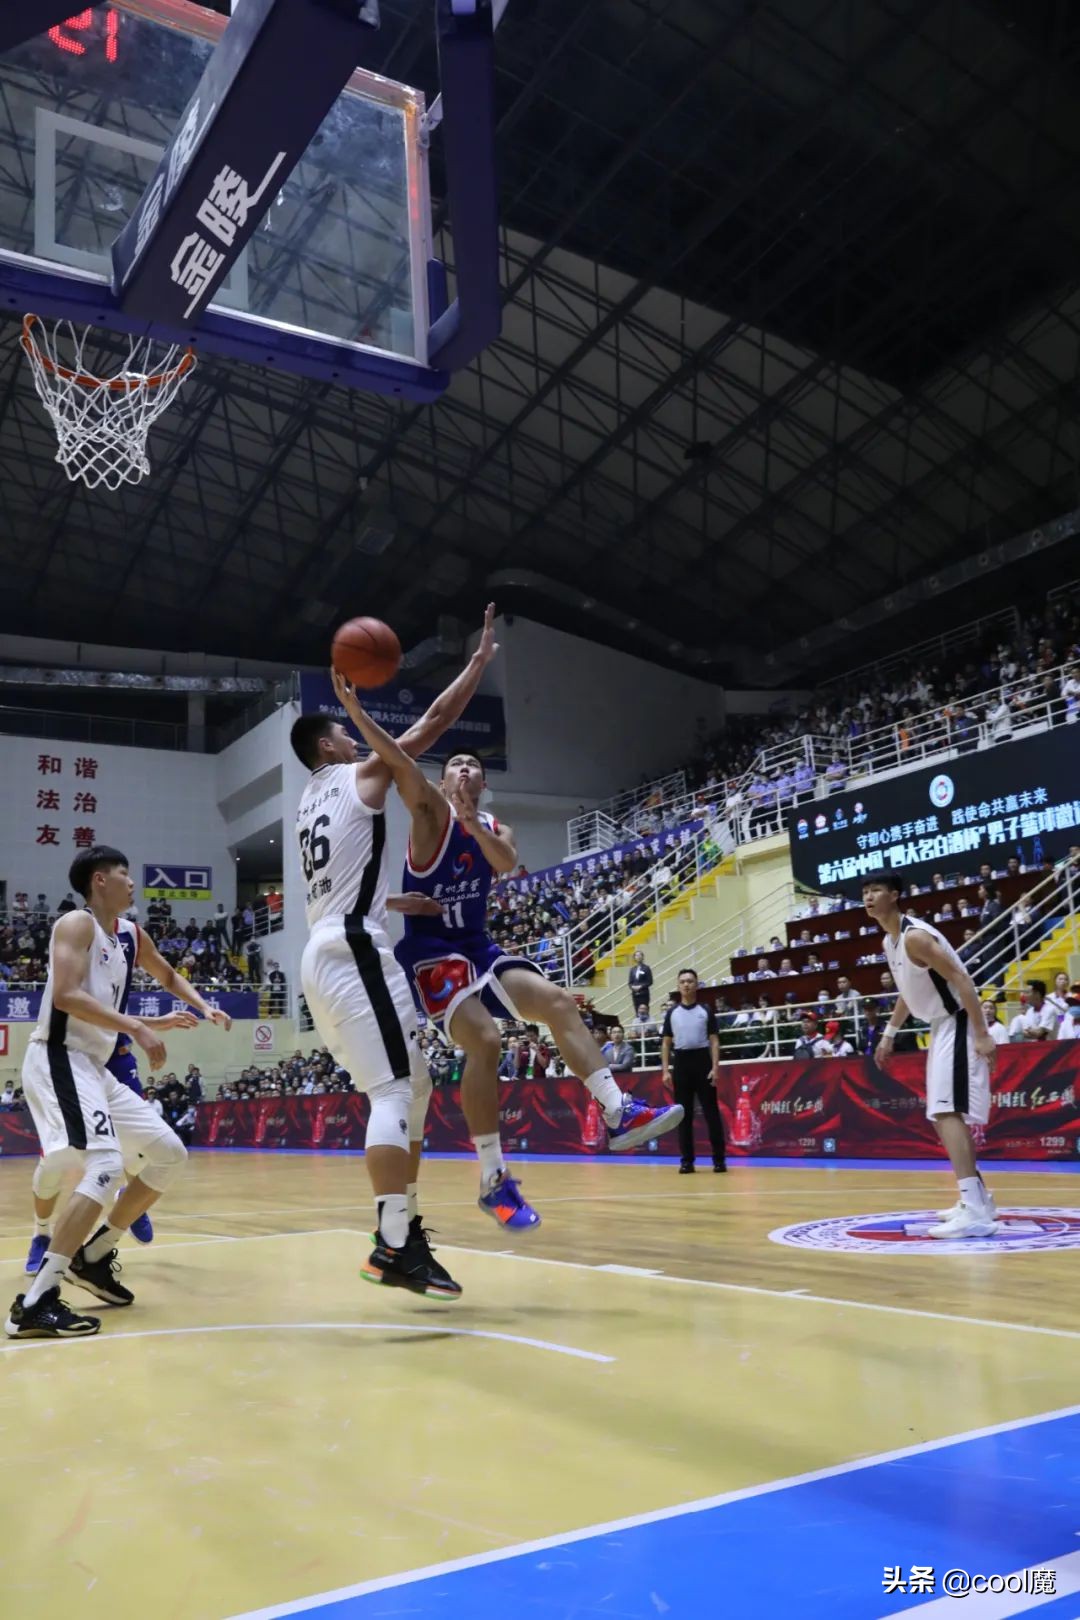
(78, 24)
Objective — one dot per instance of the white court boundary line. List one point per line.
(634, 1521)
(132, 1249)
(436, 1327)
(772, 1293)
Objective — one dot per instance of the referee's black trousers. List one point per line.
(690, 1073)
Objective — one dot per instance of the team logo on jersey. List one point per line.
(463, 864)
(942, 790)
(1019, 1231)
(438, 982)
(106, 956)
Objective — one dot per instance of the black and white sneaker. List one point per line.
(419, 1233)
(413, 1266)
(100, 1277)
(48, 1318)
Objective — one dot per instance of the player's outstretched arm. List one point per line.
(421, 798)
(73, 937)
(151, 961)
(452, 702)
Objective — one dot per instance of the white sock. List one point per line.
(972, 1194)
(412, 1195)
(42, 1228)
(393, 1215)
(605, 1088)
(104, 1242)
(489, 1152)
(50, 1275)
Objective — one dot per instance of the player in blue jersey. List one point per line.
(463, 981)
(137, 947)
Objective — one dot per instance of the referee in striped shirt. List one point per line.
(690, 1055)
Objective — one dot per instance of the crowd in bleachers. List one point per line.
(228, 952)
(298, 1076)
(982, 691)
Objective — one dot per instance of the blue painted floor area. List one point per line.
(815, 1550)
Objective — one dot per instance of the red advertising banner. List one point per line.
(816, 1108)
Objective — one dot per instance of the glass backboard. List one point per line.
(339, 264)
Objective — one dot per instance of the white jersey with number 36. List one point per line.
(342, 849)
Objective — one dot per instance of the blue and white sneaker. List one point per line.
(640, 1123)
(504, 1203)
(39, 1248)
(142, 1230)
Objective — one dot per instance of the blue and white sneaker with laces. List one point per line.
(39, 1248)
(640, 1123)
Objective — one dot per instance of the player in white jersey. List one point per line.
(357, 994)
(935, 985)
(84, 1116)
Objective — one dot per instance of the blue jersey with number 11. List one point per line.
(459, 877)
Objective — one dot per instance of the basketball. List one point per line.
(366, 652)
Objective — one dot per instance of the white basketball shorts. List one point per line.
(957, 1079)
(360, 1001)
(76, 1103)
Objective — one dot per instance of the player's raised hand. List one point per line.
(345, 694)
(152, 1045)
(414, 905)
(218, 1016)
(488, 646)
(463, 808)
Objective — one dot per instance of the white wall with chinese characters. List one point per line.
(57, 798)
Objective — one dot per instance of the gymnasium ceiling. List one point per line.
(792, 316)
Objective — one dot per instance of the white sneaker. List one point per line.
(964, 1223)
(949, 1214)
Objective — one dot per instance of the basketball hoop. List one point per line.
(102, 422)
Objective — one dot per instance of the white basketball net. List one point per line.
(102, 422)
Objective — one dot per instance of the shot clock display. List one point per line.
(97, 29)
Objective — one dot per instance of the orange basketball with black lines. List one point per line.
(366, 652)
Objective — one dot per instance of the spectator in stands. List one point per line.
(1058, 997)
(809, 1036)
(871, 1028)
(763, 970)
(618, 1053)
(1069, 1028)
(888, 988)
(278, 990)
(998, 1033)
(7, 1096)
(641, 980)
(835, 1043)
(835, 774)
(68, 903)
(786, 968)
(814, 964)
(776, 944)
(847, 997)
(253, 957)
(1038, 1020)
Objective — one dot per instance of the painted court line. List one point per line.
(772, 1293)
(436, 1328)
(156, 1249)
(657, 1516)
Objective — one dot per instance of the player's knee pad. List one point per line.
(49, 1171)
(165, 1157)
(388, 1123)
(420, 1084)
(103, 1172)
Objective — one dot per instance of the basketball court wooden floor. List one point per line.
(648, 1407)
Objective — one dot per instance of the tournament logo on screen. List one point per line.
(1020, 1231)
(942, 791)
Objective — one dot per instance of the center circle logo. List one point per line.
(942, 790)
(1019, 1231)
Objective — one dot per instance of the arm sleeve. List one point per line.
(711, 1026)
(665, 1028)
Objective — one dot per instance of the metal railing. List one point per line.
(810, 767)
(571, 956)
(711, 951)
(629, 813)
(964, 638)
(98, 729)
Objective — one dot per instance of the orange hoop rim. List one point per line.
(85, 379)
